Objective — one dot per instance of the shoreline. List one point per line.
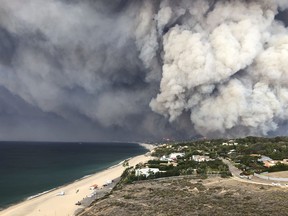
(47, 203)
(149, 147)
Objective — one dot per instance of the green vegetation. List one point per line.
(186, 193)
(244, 152)
(275, 148)
(278, 167)
(125, 163)
(250, 149)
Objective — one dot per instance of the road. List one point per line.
(254, 180)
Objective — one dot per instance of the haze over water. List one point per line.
(29, 168)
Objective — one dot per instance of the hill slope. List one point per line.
(187, 196)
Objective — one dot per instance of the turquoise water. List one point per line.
(27, 169)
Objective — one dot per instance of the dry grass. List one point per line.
(193, 197)
(283, 174)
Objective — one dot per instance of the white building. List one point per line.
(229, 144)
(232, 151)
(174, 156)
(264, 159)
(164, 158)
(146, 171)
(200, 158)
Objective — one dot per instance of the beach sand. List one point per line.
(50, 204)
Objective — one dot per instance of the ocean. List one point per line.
(30, 168)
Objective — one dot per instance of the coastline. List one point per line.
(149, 147)
(47, 203)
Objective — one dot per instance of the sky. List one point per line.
(131, 70)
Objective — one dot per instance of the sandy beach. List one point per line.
(50, 204)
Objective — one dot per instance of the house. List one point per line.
(232, 151)
(174, 156)
(230, 143)
(269, 163)
(164, 158)
(264, 158)
(200, 158)
(171, 157)
(180, 148)
(146, 171)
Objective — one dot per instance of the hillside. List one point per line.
(188, 196)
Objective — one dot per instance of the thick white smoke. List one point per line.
(226, 64)
(221, 65)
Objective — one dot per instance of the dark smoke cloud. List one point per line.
(88, 70)
(283, 17)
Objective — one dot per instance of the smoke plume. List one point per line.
(225, 64)
(94, 70)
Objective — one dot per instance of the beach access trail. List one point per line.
(51, 205)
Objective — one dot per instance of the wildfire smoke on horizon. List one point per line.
(209, 67)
